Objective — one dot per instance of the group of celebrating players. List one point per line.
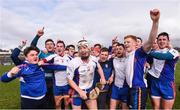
(126, 73)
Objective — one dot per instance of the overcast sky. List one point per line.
(69, 20)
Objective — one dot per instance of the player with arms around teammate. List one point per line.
(61, 86)
(49, 77)
(32, 80)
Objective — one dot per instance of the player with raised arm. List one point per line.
(61, 86)
(136, 59)
(49, 45)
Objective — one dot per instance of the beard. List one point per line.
(84, 57)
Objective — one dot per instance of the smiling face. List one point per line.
(162, 41)
(32, 57)
(130, 44)
(103, 56)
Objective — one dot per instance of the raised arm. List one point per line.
(15, 53)
(36, 38)
(155, 15)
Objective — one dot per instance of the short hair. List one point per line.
(66, 49)
(60, 41)
(97, 45)
(120, 44)
(70, 46)
(132, 37)
(49, 40)
(115, 43)
(75, 53)
(139, 39)
(163, 34)
(28, 49)
(104, 49)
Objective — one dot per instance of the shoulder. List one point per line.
(140, 52)
(75, 61)
(94, 59)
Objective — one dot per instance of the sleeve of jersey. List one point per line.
(70, 71)
(140, 52)
(7, 77)
(50, 58)
(35, 40)
(168, 55)
(150, 59)
(15, 58)
(54, 67)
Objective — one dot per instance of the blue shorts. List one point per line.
(78, 100)
(164, 89)
(138, 98)
(121, 94)
(61, 90)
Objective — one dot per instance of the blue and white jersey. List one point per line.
(164, 69)
(82, 73)
(32, 81)
(135, 66)
(60, 76)
(120, 73)
(107, 68)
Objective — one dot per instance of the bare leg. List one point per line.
(156, 101)
(113, 104)
(58, 101)
(91, 104)
(124, 106)
(167, 104)
(74, 107)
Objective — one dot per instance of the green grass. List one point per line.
(9, 92)
(10, 96)
(177, 76)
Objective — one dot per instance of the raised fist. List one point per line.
(155, 15)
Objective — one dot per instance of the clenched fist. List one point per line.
(155, 15)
